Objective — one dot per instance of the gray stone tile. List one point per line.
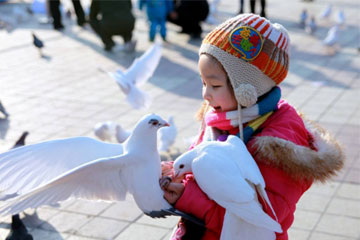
(298, 234)
(65, 222)
(168, 222)
(339, 225)
(138, 231)
(125, 210)
(344, 207)
(88, 207)
(348, 190)
(323, 236)
(48, 235)
(306, 220)
(102, 228)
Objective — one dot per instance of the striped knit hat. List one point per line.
(253, 52)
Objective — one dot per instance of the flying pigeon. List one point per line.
(136, 75)
(340, 17)
(122, 134)
(37, 43)
(105, 130)
(311, 26)
(18, 230)
(82, 167)
(228, 174)
(303, 18)
(327, 12)
(167, 136)
(3, 110)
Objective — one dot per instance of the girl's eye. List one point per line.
(216, 86)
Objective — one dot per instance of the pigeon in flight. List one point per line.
(38, 43)
(3, 110)
(167, 136)
(82, 167)
(136, 75)
(236, 190)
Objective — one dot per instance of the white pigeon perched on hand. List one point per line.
(105, 130)
(136, 75)
(228, 174)
(167, 136)
(85, 168)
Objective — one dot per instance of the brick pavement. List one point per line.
(65, 95)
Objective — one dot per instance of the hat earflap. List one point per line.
(245, 94)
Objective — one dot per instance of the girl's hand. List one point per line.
(172, 190)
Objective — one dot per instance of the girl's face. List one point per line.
(217, 90)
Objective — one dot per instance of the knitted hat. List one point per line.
(253, 52)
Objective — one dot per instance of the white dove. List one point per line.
(327, 12)
(122, 134)
(167, 136)
(228, 174)
(332, 36)
(340, 17)
(136, 75)
(311, 26)
(82, 167)
(105, 130)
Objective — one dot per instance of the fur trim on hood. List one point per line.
(302, 162)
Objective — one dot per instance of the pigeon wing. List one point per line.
(25, 168)
(138, 99)
(96, 180)
(144, 67)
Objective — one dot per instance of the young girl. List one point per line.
(241, 63)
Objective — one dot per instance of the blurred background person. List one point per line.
(252, 7)
(188, 14)
(109, 18)
(54, 8)
(156, 11)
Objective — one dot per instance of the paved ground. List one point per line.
(65, 95)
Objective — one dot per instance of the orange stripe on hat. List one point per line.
(261, 61)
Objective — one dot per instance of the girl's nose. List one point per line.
(206, 94)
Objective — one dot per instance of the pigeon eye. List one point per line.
(153, 122)
(181, 166)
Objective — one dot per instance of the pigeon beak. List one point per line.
(166, 124)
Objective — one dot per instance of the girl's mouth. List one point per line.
(217, 109)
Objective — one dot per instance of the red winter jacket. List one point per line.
(279, 147)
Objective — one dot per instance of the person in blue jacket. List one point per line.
(157, 10)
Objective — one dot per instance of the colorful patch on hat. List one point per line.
(247, 41)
